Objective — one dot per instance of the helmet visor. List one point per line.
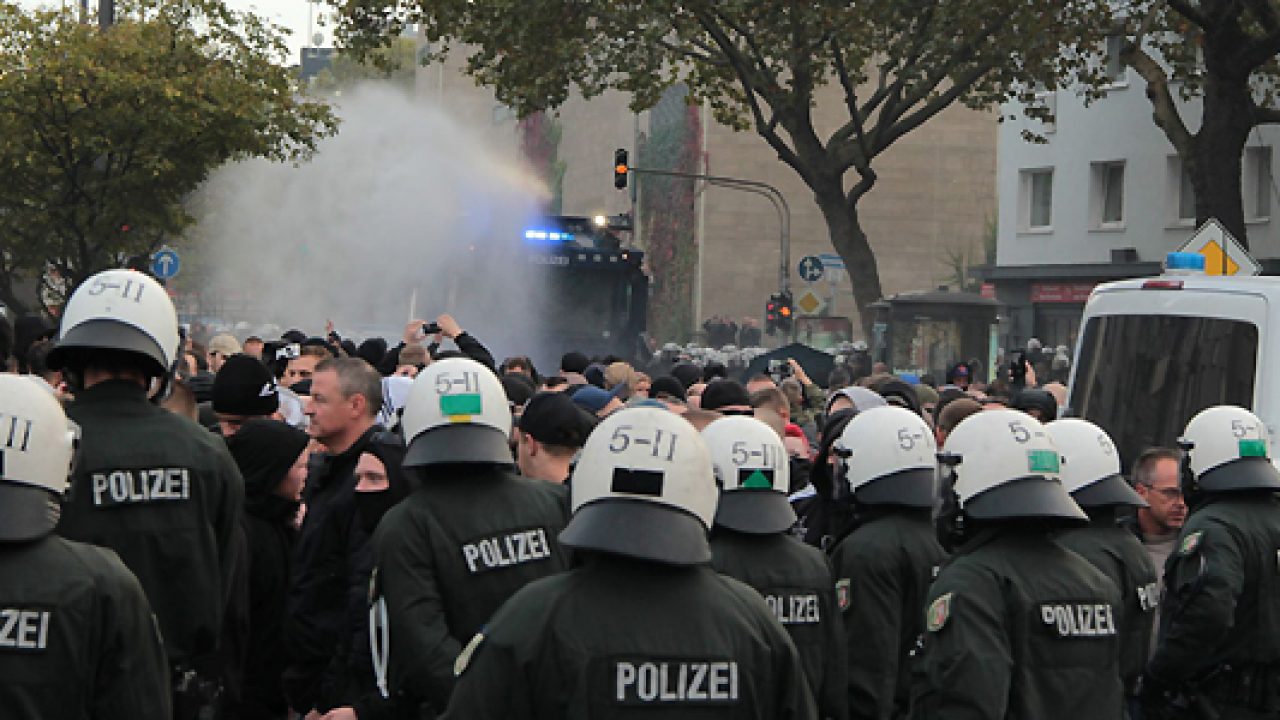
(758, 512)
(459, 444)
(639, 529)
(1028, 497)
(1111, 490)
(27, 512)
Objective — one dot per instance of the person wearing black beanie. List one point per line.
(272, 459)
(244, 388)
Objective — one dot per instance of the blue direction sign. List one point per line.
(165, 264)
(811, 269)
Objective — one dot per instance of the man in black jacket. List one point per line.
(345, 396)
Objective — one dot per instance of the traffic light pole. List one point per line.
(759, 188)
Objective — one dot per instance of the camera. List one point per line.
(430, 328)
(1018, 370)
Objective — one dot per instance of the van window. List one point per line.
(1142, 377)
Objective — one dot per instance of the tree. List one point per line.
(1224, 52)
(104, 134)
(395, 64)
(759, 64)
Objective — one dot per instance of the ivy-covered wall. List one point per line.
(667, 211)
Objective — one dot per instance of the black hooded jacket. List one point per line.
(265, 450)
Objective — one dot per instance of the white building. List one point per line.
(1104, 198)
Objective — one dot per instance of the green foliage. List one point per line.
(102, 131)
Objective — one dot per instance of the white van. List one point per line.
(1153, 352)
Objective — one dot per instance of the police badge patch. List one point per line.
(842, 594)
(939, 612)
(1190, 543)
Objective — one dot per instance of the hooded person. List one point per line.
(443, 568)
(272, 459)
(381, 484)
(750, 541)
(1091, 473)
(644, 604)
(242, 390)
(883, 567)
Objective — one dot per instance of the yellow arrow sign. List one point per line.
(1213, 260)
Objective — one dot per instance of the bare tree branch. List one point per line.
(1165, 110)
(1191, 13)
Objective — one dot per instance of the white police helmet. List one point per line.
(754, 475)
(888, 456)
(1228, 448)
(120, 310)
(643, 487)
(456, 412)
(37, 443)
(1091, 464)
(1006, 466)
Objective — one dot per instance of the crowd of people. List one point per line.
(307, 526)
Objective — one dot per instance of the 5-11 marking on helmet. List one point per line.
(662, 446)
(907, 439)
(129, 290)
(19, 432)
(765, 456)
(460, 397)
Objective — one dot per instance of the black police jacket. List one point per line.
(795, 581)
(622, 639)
(1121, 557)
(1222, 590)
(1017, 626)
(450, 554)
(882, 574)
(77, 639)
(166, 496)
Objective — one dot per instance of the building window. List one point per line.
(1115, 67)
(1258, 184)
(1037, 199)
(1181, 194)
(1107, 195)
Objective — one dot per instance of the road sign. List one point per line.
(810, 303)
(811, 268)
(1222, 253)
(165, 264)
(831, 261)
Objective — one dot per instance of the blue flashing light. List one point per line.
(547, 237)
(1184, 262)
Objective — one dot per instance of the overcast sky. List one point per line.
(292, 14)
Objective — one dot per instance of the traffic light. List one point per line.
(786, 312)
(620, 168)
(771, 316)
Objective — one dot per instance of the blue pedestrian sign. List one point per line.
(811, 269)
(165, 264)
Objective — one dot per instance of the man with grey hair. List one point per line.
(346, 395)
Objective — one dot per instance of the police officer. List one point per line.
(1016, 626)
(77, 638)
(159, 490)
(472, 534)
(750, 542)
(644, 628)
(883, 568)
(1091, 473)
(1219, 637)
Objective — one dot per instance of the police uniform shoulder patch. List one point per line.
(1190, 543)
(939, 613)
(842, 594)
(464, 657)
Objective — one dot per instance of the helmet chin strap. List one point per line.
(949, 518)
(1192, 493)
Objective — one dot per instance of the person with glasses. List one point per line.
(1156, 478)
